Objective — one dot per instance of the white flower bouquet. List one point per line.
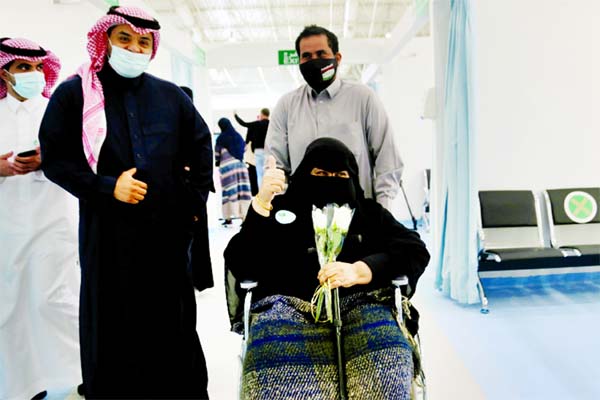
(331, 225)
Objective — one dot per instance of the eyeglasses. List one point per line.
(321, 172)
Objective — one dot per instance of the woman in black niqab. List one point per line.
(276, 247)
(329, 156)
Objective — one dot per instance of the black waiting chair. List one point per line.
(574, 221)
(511, 236)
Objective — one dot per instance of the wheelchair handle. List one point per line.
(248, 286)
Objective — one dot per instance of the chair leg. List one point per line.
(484, 300)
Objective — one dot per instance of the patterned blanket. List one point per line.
(289, 356)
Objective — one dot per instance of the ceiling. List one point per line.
(213, 23)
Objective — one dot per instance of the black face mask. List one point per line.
(319, 73)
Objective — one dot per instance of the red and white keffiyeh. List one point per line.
(24, 49)
(94, 118)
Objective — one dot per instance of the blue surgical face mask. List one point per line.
(128, 64)
(29, 84)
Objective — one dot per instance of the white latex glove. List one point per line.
(273, 182)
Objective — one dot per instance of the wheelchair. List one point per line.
(239, 302)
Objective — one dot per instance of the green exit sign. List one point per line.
(200, 56)
(421, 7)
(288, 57)
(112, 2)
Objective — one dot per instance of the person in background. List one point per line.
(250, 161)
(330, 106)
(199, 262)
(39, 273)
(235, 184)
(255, 137)
(119, 139)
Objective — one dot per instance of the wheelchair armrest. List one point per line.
(570, 252)
(490, 255)
(248, 285)
(399, 282)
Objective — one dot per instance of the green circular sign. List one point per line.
(580, 207)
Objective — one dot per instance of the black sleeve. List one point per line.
(403, 251)
(243, 254)
(197, 153)
(241, 121)
(63, 159)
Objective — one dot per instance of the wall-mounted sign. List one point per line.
(200, 56)
(288, 57)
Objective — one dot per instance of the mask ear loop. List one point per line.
(109, 47)
(11, 78)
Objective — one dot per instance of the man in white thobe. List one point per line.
(39, 272)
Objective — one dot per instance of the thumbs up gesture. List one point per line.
(273, 182)
(271, 163)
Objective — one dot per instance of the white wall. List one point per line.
(402, 87)
(246, 101)
(538, 93)
(59, 28)
(202, 95)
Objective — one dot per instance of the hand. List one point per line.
(273, 181)
(128, 189)
(25, 165)
(6, 167)
(341, 274)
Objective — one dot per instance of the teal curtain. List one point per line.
(457, 261)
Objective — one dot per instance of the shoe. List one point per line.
(40, 395)
(227, 222)
(80, 390)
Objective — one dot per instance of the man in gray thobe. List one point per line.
(329, 107)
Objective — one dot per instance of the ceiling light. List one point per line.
(388, 35)
(184, 13)
(196, 36)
